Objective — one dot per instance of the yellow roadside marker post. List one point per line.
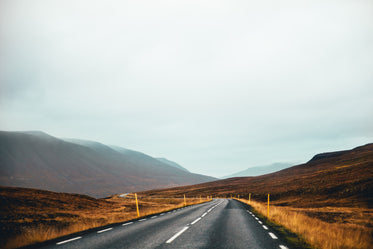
(238, 197)
(137, 206)
(268, 207)
(184, 201)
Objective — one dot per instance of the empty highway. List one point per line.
(221, 223)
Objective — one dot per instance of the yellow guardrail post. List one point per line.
(184, 201)
(137, 206)
(268, 207)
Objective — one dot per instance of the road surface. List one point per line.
(221, 223)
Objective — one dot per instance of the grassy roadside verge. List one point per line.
(312, 232)
(293, 240)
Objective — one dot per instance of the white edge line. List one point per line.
(203, 215)
(69, 240)
(273, 236)
(195, 221)
(162, 214)
(266, 228)
(283, 247)
(105, 230)
(142, 220)
(176, 235)
(153, 217)
(126, 224)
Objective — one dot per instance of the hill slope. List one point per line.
(38, 160)
(337, 179)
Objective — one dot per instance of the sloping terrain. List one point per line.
(329, 179)
(38, 160)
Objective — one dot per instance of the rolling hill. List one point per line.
(343, 178)
(38, 160)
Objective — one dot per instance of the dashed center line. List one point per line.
(142, 219)
(126, 224)
(162, 214)
(69, 240)
(266, 228)
(283, 247)
(195, 221)
(260, 222)
(153, 217)
(176, 235)
(203, 215)
(273, 236)
(105, 230)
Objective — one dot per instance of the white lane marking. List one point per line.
(142, 219)
(260, 222)
(273, 236)
(105, 230)
(126, 224)
(162, 214)
(69, 240)
(203, 215)
(195, 221)
(283, 247)
(176, 235)
(256, 218)
(153, 217)
(266, 228)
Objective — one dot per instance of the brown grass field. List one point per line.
(325, 228)
(29, 216)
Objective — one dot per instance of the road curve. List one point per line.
(221, 223)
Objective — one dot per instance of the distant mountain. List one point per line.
(171, 163)
(38, 160)
(260, 170)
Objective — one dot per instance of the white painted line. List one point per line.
(105, 230)
(126, 224)
(142, 219)
(283, 247)
(256, 218)
(260, 222)
(266, 228)
(153, 217)
(176, 235)
(195, 221)
(162, 214)
(273, 236)
(203, 215)
(69, 240)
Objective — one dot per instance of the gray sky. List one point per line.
(217, 86)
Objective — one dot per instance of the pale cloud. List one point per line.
(217, 86)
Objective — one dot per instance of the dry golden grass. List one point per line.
(322, 234)
(28, 226)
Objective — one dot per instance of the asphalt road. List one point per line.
(221, 223)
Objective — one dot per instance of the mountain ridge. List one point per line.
(260, 170)
(39, 160)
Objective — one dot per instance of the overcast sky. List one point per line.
(216, 86)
